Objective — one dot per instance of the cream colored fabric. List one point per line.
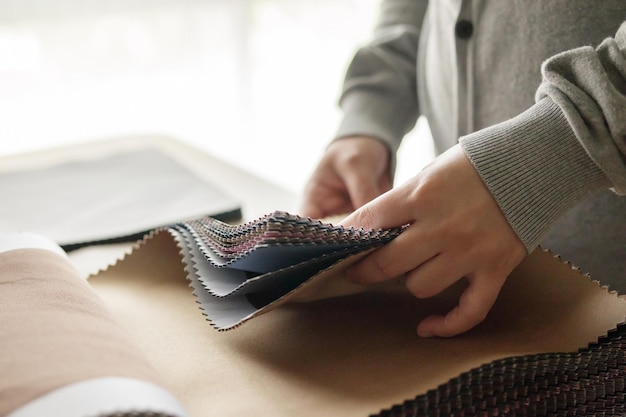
(55, 330)
(347, 356)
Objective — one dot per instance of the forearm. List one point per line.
(568, 145)
(379, 97)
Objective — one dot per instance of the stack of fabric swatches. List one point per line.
(240, 271)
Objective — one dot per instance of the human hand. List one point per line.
(353, 171)
(456, 230)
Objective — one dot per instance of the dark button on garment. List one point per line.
(464, 29)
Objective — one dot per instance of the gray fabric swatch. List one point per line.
(112, 198)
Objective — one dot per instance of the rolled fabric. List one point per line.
(61, 351)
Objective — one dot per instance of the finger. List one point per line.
(388, 210)
(325, 211)
(312, 210)
(434, 275)
(323, 199)
(394, 259)
(474, 304)
(363, 186)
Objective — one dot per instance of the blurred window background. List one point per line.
(255, 82)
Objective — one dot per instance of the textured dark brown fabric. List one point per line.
(590, 382)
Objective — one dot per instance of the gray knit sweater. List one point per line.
(539, 105)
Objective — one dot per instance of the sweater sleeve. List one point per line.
(570, 144)
(379, 97)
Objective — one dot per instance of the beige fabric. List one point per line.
(55, 330)
(347, 356)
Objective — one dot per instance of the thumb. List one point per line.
(386, 211)
(365, 184)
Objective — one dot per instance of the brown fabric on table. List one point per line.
(347, 356)
(55, 330)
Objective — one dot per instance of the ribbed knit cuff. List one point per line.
(534, 167)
